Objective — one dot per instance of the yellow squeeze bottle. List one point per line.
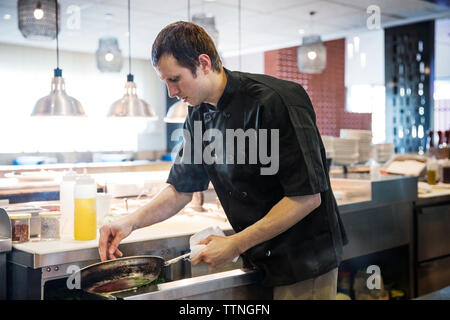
(85, 213)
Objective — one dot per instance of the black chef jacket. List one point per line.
(309, 248)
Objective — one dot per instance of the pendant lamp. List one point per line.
(130, 105)
(37, 19)
(108, 55)
(312, 54)
(177, 113)
(207, 22)
(58, 102)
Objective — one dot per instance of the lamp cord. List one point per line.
(129, 39)
(189, 10)
(57, 42)
(240, 42)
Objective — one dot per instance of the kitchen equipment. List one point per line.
(20, 227)
(124, 273)
(5, 247)
(35, 225)
(50, 225)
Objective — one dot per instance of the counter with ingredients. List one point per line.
(376, 214)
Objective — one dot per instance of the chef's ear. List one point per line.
(205, 63)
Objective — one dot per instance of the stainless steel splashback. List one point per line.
(5, 231)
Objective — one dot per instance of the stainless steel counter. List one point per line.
(387, 190)
(233, 284)
(378, 222)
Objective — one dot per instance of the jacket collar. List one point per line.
(231, 88)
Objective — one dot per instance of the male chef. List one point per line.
(284, 214)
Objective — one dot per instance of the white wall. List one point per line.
(253, 63)
(442, 50)
(442, 61)
(25, 76)
(371, 43)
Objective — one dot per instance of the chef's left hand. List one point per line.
(218, 250)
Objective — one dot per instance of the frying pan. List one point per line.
(123, 274)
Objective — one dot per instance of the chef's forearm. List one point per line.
(166, 204)
(287, 212)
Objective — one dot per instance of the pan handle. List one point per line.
(182, 257)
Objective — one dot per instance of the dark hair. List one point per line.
(185, 41)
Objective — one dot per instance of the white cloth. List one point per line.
(199, 236)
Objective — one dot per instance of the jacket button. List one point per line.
(244, 194)
(230, 193)
(207, 117)
(268, 253)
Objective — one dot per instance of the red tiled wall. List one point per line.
(326, 90)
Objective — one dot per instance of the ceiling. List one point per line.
(265, 24)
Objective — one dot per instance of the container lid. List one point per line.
(70, 176)
(85, 179)
(14, 216)
(50, 214)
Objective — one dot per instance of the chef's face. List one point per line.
(180, 81)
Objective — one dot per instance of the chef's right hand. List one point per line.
(110, 237)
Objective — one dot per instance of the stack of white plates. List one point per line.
(328, 144)
(383, 151)
(345, 151)
(365, 142)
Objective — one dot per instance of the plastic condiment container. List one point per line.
(66, 198)
(85, 212)
(50, 225)
(20, 227)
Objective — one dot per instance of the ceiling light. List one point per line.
(312, 54)
(177, 112)
(38, 13)
(130, 105)
(37, 19)
(207, 22)
(362, 57)
(7, 16)
(58, 102)
(301, 31)
(108, 55)
(350, 50)
(356, 44)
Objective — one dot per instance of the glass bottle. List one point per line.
(432, 171)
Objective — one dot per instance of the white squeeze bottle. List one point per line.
(85, 211)
(66, 200)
